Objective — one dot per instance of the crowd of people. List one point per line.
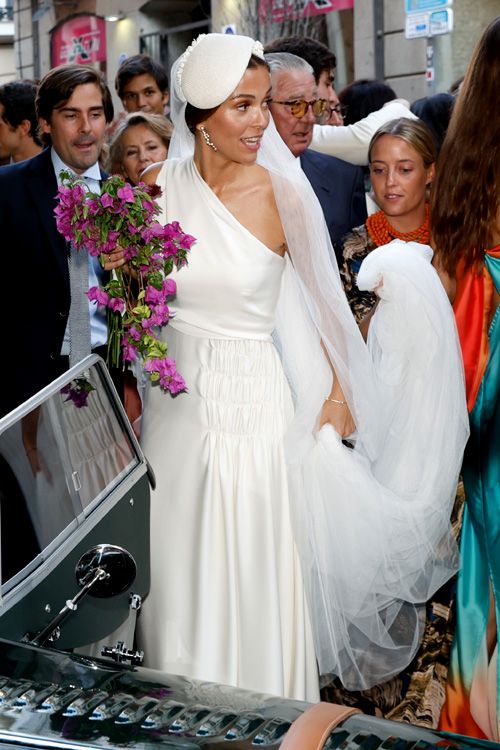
(309, 504)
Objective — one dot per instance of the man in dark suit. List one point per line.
(73, 107)
(339, 186)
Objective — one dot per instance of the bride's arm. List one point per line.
(335, 410)
(150, 174)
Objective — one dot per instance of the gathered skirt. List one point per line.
(227, 602)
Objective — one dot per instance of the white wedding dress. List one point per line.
(248, 487)
(227, 601)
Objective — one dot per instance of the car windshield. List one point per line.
(59, 459)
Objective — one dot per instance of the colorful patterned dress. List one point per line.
(472, 696)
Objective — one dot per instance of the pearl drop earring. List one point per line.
(207, 138)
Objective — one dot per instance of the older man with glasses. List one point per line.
(323, 62)
(296, 109)
(346, 142)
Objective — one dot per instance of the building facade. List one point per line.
(368, 39)
(382, 51)
(55, 31)
(7, 60)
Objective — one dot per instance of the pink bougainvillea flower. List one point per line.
(106, 200)
(96, 294)
(117, 305)
(176, 384)
(125, 217)
(134, 333)
(170, 287)
(129, 352)
(154, 296)
(160, 315)
(130, 252)
(126, 194)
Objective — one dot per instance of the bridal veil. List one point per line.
(371, 521)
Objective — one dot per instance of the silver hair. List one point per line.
(279, 61)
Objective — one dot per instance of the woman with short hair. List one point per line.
(140, 140)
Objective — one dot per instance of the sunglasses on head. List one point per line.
(299, 107)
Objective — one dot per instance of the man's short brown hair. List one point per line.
(57, 87)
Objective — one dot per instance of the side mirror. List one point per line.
(119, 569)
(103, 571)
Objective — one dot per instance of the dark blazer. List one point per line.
(339, 187)
(35, 279)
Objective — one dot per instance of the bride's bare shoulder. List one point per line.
(260, 178)
(260, 174)
(150, 174)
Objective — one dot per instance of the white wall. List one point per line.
(7, 63)
(122, 37)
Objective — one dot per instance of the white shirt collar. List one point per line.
(93, 172)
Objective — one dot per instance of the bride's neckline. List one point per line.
(276, 253)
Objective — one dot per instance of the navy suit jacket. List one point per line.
(35, 281)
(339, 187)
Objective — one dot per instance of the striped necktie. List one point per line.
(79, 316)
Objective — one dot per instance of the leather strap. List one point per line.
(312, 728)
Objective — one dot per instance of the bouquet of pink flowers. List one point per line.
(124, 216)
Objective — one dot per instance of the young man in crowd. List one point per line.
(18, 123)
(142, 85)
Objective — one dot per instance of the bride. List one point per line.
(275, 549)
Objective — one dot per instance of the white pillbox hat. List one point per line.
(212, 66)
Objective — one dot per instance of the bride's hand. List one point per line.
(116, 259)
(339, 416)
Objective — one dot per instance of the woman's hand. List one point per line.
(339, 416)
(115, 259)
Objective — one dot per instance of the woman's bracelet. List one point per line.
(335, 401)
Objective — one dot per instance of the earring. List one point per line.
(207, 138)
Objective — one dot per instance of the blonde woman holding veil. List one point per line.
(253, 479)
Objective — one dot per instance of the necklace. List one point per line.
(381, 232)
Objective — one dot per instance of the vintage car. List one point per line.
(74, 495)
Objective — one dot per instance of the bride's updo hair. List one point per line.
(194, 115)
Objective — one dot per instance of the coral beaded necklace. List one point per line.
(381, 232)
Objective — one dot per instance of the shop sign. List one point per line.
(429, 24)
(418, 6)
(80, 39)
(277, 11)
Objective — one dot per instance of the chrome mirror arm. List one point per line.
(49, 632)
